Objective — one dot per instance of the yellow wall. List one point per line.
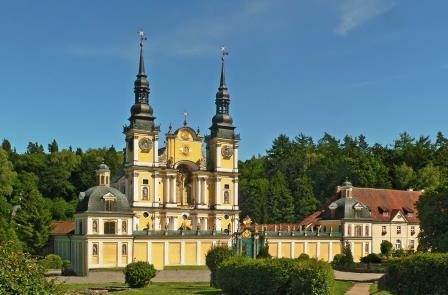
(224, 181)
(146, 157)
(298, 249)
(226, 163)
(205, 246)
(143, 222)
(110, 253)
(95, 259)
(286, 250)
(312, 250)
(158, 255)
(174, 253)
(324, 247)
(141, 252)
(273, 249)
(145, 175)
(357, 252)
(190, 253)
(336, 248)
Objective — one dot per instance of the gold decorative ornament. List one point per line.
(145, 144)
(227, 152)
(185, 135)
(246, 234)
(186, 150)
(247, 221)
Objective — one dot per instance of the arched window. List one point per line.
(95, 226)
(124, 226)
(398, 244)
(102, 179)
(124, 249)
(94, 249)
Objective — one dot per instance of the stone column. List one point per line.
(235, 158)
(218, 156)
(166, 190)
(235, 192)
(175, 225)
(135, 188)
(218, 191)
(218, 223)
(135, 151)
(156, 151)
(173, 189)
(203, 190)
(194, 222)
(198, 190)
(156, 188)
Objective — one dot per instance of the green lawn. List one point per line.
(374, 290)
(341, 287)
(181, 288)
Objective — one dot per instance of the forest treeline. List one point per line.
(293, 179)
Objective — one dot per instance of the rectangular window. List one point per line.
(367, 231)
(109, 227)
(358, 230)
(109, 205)
(366, 248)
(398, 230)
(226, 186)
(383, 230)
(145, 181)
(412, 230)
(411, 245)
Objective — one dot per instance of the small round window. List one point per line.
(226, 216)
(146, 214)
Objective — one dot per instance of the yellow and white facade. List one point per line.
(171, 204)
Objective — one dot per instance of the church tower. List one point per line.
(222, 148)
(142, 143)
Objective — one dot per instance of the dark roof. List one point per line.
(377, 201)
(62, 227)
(92, 200)
(345, 208)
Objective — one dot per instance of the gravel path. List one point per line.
(357, 277)
(359, 289)
(100, 277)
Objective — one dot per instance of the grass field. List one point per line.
(180, 288)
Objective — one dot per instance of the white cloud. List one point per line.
(354, 13)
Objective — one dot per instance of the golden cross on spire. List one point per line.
(142, 37)
(185, 118)
(224, 52)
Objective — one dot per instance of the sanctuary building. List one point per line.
(171, 204)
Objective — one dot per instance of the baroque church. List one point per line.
(170, 205)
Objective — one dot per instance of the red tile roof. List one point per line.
(378, 200)
(62, 227)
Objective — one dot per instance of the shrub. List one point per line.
(139, 274)
(215, 256)
(263, 251)
(241, 275)
(386, 248)
(20, 274)
(67, 269)
(304, 256)
(344, 261)
(51, 261)
(371, 258)
(423, 273)
(398, 253)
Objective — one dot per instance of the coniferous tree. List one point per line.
(53, 147)
(304, 199)
(280, 201)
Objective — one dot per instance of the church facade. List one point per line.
(171, 203)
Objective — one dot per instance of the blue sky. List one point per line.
(377, 67)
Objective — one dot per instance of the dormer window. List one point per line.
(333, 206)
(109, 202)
(408, 211)
(109, 205)
(384, 211)
(358, 210)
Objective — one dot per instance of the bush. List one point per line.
(51, 261)
(215, 256)
(263, 251)
(67, 268)
(304, 256)
(139, 274)
(398, 253)
(241, 275)
(386, 248)
(372, 258)
(344, 261)
(423, 273)
(20, 274)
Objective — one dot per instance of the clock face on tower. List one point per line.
(227, 152)
(145, 144)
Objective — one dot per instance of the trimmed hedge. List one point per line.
(423, 273)
(241, 275)
(216, 256)
(51, 261)
(372, 258)
(139, 274)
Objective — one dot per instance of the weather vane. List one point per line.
(142, 37)
(224, 52)
(185, 118)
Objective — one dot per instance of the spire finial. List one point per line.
(185, 118)
(224, 52)
(141, 67)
